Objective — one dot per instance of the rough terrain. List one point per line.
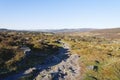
(67, 69)
(62, 66)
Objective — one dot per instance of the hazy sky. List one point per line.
(57, 14)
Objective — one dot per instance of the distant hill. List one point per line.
(112, 30)
(55, 30)
(113, 33)
(65, 30)
(3, 29)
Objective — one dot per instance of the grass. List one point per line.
(102, 53)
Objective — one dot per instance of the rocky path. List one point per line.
(67, 69)
(62, 66)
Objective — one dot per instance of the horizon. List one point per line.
(59, 29)
(60, 14)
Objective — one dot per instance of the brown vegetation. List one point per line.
(13, 58)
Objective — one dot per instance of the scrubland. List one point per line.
(13, 59)
(99, 52)
(99, 55)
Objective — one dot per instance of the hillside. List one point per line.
(112, 30)
(108, 33)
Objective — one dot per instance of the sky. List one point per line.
(59, 14)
